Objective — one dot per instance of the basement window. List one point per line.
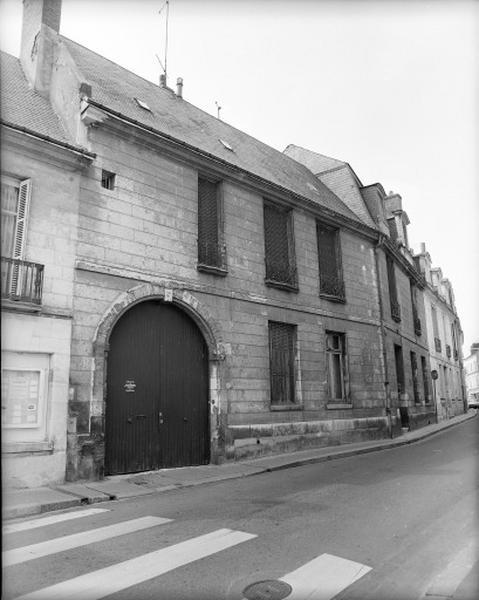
(107, 180)
(142, 104)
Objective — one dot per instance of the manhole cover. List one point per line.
(270, 589)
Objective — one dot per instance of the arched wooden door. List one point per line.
(157, 391)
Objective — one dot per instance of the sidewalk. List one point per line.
(21, 503)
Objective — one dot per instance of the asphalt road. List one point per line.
(386, 525)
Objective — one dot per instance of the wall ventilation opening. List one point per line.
(107, 180)
(142, 104)
(226, 145)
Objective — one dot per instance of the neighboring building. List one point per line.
(40, 179)
(445, 339)
(471, 370)
(405, 348)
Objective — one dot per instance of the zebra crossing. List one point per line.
(319, 579)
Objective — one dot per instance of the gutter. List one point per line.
(387, 400)
(50, 140)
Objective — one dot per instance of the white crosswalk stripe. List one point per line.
(324, 577)
(120, 576)
(51, 520)
(68, 542)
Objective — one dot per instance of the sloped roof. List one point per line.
(338, 176)
(116, 88)
(316, 163)
(24, 107)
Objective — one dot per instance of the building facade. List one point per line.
(40, 177)
(445, 339)
(471, 371)
(219, 299)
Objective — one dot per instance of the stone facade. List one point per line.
(445, 339)
(119, 230)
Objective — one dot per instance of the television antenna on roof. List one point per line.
(164, 65)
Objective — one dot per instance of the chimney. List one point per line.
(40, 28)
(163, 80)
(179, 87)
(423, 248)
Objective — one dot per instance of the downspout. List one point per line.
(387, 399)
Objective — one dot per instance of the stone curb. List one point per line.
(82, 494)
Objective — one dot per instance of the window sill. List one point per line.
(220, 271)
(21, 306)
(330, 298)
(339, 405)
(287, 287)
(22, 447)
(285, 407)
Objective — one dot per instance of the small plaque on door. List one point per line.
(129, 385)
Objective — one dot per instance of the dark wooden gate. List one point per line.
(157, 391)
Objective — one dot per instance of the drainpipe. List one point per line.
(387, 400)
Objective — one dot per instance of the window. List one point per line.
(414, 377)
(415, 318)
(425, 379)
(329, 254)
(282, 354)
(211, 246)
(336, 356)
(15, 204)
(279, 247)
(393, 295)
(398, 359)
(435, 329)
(24, 394)
(393, 230)
(107, 180)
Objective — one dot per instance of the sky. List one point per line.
(391, 87)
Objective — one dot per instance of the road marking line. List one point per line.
(60, 544)
(116, 578)
(51, 520)
(324, 577)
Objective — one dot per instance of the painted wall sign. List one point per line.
(129, 385)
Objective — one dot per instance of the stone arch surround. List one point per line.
(94, 467)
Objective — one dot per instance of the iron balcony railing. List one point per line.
(437, 344)
(22, 281)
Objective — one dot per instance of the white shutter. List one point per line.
(24, 193)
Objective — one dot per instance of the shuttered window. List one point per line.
(282, 351)
(15, 205)
(211, 247)
(393, 295)
(415, 379)
(279, 247)
(336, 353)
(330, 269)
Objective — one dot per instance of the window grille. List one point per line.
(398, 359)
(414, 377)
(282, 344)
(279, 247)
(336, 353)
(329, 256)
(107, 180)
(393, 295)
(211, 248)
